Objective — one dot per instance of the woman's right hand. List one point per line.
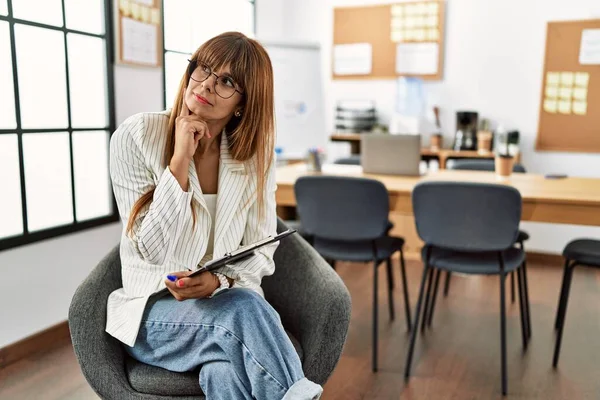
(189, 129)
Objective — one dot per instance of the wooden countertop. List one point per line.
(569, 200)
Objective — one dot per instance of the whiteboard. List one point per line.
(299, 113)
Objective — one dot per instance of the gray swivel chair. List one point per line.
(487, 165)
(468, 228)
(348, 220)
(311, 299)
(584, 252)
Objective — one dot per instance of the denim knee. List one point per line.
(239, 304)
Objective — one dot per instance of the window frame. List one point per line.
(165, 50)
(27, 237)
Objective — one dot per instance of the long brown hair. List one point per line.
(251, 136)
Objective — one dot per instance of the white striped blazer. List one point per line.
(163, 238)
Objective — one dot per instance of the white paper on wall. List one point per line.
(139, 42)
(352, 59)
(589, 53)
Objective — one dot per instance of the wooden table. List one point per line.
(565, 201)
(443, 155)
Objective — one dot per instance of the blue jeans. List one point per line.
(236, 338)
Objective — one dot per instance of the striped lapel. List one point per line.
(232, 182)
(195, 182)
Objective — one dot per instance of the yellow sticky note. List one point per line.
(550, 106)
(410, 9)
(420, 21)
(565, 93)
(433, 8)
(552, 78)
(432, 21)
(421, 8)
(397, 36)
(409, 34)
(125, 7)
(582, 79)
(580, 93)
(145, 14)
(135, 11)
(155, 16)
(433, 35)
(564, 107)
(397, 23)
(410, 22)
(567, 78)
(397, 10)
(552, 92)
(579, 107)
(420, 35)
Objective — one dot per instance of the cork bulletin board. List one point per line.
(569, 117)
(139, 32)
(403, 39)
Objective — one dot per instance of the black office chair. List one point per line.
(348, 220)
(353, 159)
(472, 231)
(486, 165)
(585, 252)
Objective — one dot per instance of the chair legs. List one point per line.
(524, 327)
(405, 288)
(503, 333)
(375, 320)
(427, 300)
(390, 279)
(426, 293)
(413, 334)
(433, 299)
(512, 287)
(562, 294)
(526, 290)
(447, 283)
(390, 273)
(562, 309)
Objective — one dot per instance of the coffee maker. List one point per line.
(466, 130)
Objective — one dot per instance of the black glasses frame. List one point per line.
(193, 64)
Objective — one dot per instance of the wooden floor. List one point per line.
(457, 359)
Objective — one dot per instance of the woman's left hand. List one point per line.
(196, 287)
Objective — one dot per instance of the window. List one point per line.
(186, 28)
(56, 116)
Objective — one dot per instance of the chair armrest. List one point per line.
(313, 302)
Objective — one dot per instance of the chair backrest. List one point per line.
(342, 208)
(481, 165)
(467, 216)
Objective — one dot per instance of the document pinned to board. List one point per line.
(417, 58)
(589, 52)
(139, 42)
(352, 59)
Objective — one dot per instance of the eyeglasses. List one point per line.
(225, 86)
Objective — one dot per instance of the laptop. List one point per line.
(391, 154)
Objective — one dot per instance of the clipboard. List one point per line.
(241, 253)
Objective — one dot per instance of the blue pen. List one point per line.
(172, 278)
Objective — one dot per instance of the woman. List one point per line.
(192, 184)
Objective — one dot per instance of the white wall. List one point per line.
(493, 64)
(37, 281)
